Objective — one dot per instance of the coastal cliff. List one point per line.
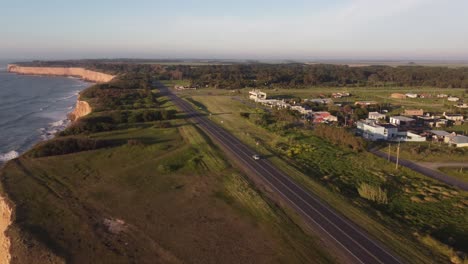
(82, 108)
(82, 73)
(5, 221)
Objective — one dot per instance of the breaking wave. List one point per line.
(8, 156)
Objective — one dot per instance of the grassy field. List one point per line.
(418, 204)
(157, 195)
(460, 173)
(428, 152)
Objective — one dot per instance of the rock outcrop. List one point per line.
(82, 73)
(5, 221)
(82, 108)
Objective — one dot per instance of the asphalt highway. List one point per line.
(355, 242)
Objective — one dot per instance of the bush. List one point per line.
(373, 193)
(61, 146)
(339, 136)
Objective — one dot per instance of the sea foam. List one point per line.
(8, 156)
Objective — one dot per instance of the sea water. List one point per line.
(32, 109)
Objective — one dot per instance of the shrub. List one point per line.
(61, 146)
(373, 193)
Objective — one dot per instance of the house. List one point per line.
(458, 141)
(453, 117)
(257, 95)
(425, 95)
(369, 129)
(365, 103)
(442, 96)
(453, 99)
(376, 115)
(411, 95)
(321, 117)
(413, 112)
(431, 121)
(401, 120)
(320, 100)
(398, 96)
(439, 135)
(409, 136)
(301, 109)
(463, 106)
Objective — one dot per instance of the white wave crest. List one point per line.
(8, 156)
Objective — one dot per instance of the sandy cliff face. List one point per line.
(5, 221)
(82, 108)
(60, 71)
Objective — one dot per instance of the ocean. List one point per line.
(32, 109)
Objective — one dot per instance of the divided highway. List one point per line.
(355, 242)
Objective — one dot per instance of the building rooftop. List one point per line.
(403, 118)
(440, 133)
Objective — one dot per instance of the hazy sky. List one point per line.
(257, 29)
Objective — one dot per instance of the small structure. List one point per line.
(442, 96)
(463, 106)
(439, 135)
(458, 141)
(321, 117)
(365, 103)
(401, 120)
(413, 112)
(409, 136)
(398, 96)
(257, 95)
(453, 99)
(453, 117)
(425, 95)
(320, 100)
(301, 109)
(411, 95)
(369, 129)
(376, 115)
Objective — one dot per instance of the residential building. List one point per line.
(409, 136)
(320, 100)
(365, 103)
(439, 135)
(321, 117)
(301, 109)
(463, 106)
(398, 96)
(257, 95)
(411, 95)
(453, 99)
(369, 129)
(458, 141)
(401, 120)
(453, 117)
(376, 115)
(413, 112)
(442, 96)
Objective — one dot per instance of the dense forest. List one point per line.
(294, 75)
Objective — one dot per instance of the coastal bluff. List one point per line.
(82, 108)
(82, 73)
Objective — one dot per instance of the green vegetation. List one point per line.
(143, 190)
(428, 152)
(396, 206)
(460, 173)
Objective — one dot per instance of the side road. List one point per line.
(426, 170)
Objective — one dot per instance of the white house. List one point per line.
(453, 99)
(411, 95)
(458, 141)
(401, 120)
(376, 115)
(453, 117)
(408, 136)
(370, 130)
(301, 109)
(257, 95)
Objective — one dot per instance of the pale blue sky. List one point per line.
(241, 29)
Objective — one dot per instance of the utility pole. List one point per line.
(389, 144)
(397, 156)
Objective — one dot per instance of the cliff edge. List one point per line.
(5, 221)
(82, 73)
(82, 108)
